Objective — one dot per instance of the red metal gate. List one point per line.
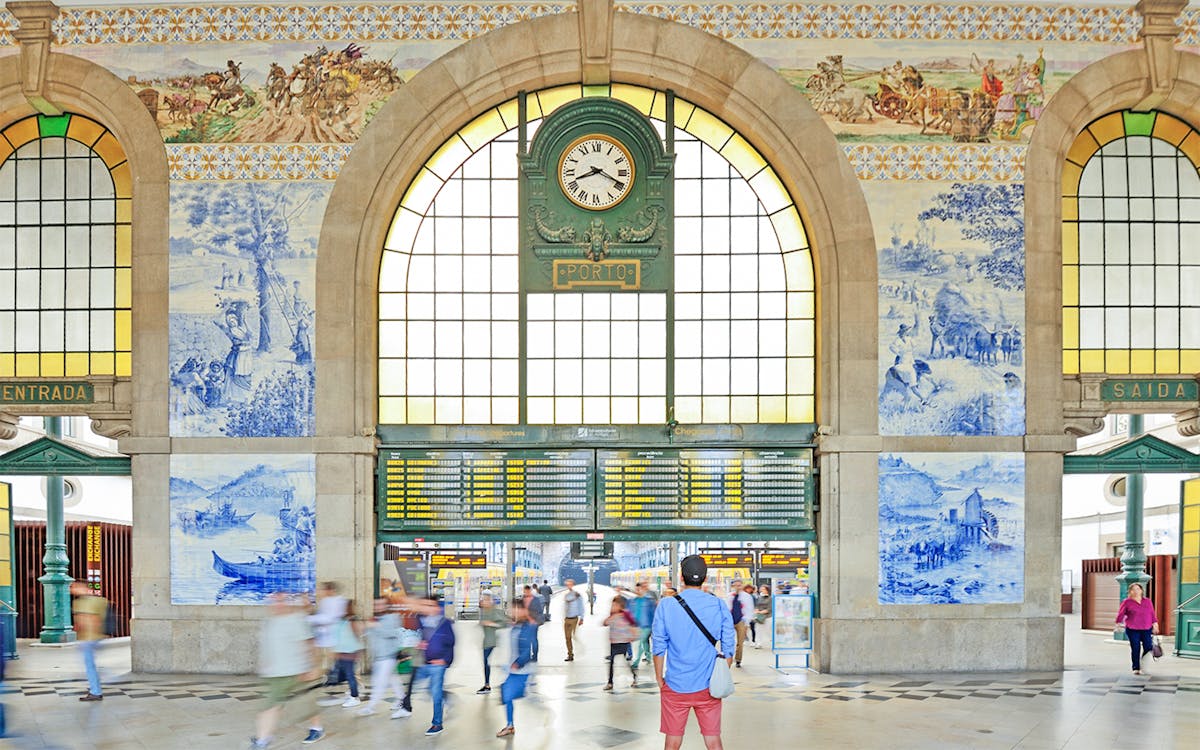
(116, 565)
(1100, 591)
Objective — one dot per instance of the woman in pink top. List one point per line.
(1137, 612)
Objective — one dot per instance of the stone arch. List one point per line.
(77, 85)
(1122, 81)
(544, 52)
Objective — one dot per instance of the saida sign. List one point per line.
(1149, 389)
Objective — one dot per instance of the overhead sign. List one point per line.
(1149, 389)
(728, 559)
(458, 559)
(47, 392)
(591, 550)
(95, 558)
(782, 560)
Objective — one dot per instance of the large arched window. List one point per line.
(65, 249)
(1131, 276)
(738, 332)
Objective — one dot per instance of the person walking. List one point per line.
(437, 640)
(287, 661)
(537, 610)
(643, 606)
(491, 619)
(762, 610)
(383, 641)
(524, 632)
(1141, 623)
(741, 608)
(547, 594)
(622, 630)
(572, 617)
(684, 656)
(331, 608)
(347, 645)
(87, 612)
(753, 622)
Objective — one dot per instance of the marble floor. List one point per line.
(1094, 704)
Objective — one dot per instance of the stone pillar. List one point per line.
(35, 35)
(56, 627)
(1159, 34)
(1133, 558)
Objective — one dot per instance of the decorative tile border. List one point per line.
(198, 24)
(323, 161)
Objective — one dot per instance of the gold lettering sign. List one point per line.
(611, 274)
(46, 393)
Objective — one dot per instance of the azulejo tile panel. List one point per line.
(264, 161)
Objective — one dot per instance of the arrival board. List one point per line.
(486, 489)
(709, 489)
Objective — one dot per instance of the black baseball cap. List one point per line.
(693, 569)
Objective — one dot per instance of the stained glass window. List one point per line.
(1131, 282)
(65, 250)
(740, 341)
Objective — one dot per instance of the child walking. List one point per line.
(347, 644)
(383, 637)
(622, 630)
(524, 632)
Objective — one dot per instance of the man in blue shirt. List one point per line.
(572, 616)
(689, 656)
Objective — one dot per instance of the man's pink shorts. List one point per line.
(677, 706)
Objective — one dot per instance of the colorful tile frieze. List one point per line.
(195, 24)
(268, 161)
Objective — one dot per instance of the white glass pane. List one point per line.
(420, 339)
(1166, 287)
(539, 339)
(568, 410)
(103, 246)
(716, 235)
(420, 274)
(1189, 209)
(716, 339)
(715, 197)
(716, 376)
(29, 247)
(596, 306)
(743, 338)
(687, 156)
(716, 273)
(448, 306)
(7, 330)
(653, 306)
(1091, 285)
(504, 273)
(772, 376)
(53, 176)
(652, 339)
(568, 306)
(102, 331)
(1141, 324)
(420, 306)
(52, 331)
(448, 377)
(1141, 209)
(392, 377)
(624, 338)
(743, 305)
(747, 238)
(716, 306)
(1166, 328)
(477, 275)
(477, 198)
(772, 305)
(77, 288)
(1189, 284)
(687, 273)
(743, 376)
(687, 196)
(1166, 209)
(540, 410)
(1141, 243)
(102, 182)
(54, 212)
(744, 272)
(595, 377)
(687, 236)
(687, 338)
(652, 377)
(624, 377)
(505, 341)
(505, 377)
(596, 339)
(28, 289)
(53, 247)
(771, 276)
(78, 173)
(1116, 243)
(568, 339)
(392, 341)
(504, 236)
(29, 212)
(539, 307)
(1141, 179)
(1114, 178)
(477, 306)
(1189, 328)
(449, 199)
(1091, 327)
(504, 199)
(1116, 209)
(1141, 285)
(568, 377)
(596, 411)
(1189, 178)
(687, 306)
(1116, 286)
(104, 211)
(8, 180)
(28, 180)
(772, 341)
(420, 377)
(8, 249)
(448, 411)
(477, 339)
(477, 410)
(447, 271)
(1089, 182)
(1166, 244)
(742, 199)
(27, 332)
(53, 289)
(1091, 208)
(687, 376)
(448, 340)
(1116, 328)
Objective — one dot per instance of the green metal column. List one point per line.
(56, 583)
(1133, 558)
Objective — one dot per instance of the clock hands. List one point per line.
(600, 171)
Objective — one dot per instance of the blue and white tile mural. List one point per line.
(951, 528)
(951, 308)
(243, 265)
(241, 527)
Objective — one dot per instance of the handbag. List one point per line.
(1157, 649)
(720, 683)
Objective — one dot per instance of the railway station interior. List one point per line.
(889, 309)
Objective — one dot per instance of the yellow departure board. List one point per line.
(789, 561)
(705, 488)
(484, 490)
(459, 559)
(728, 559)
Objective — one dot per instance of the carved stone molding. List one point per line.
(35, 35)
(1159, 34)
(115, 427)
(8, 425)
(595, 34)
(1188, 422)
(1082, 423)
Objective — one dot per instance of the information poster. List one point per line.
(793, 616)
(406, 575)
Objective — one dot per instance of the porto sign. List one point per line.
(1149, 389)
(46, 392)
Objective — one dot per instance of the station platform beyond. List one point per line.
(1095, 703)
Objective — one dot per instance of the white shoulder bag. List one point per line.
(720, 684)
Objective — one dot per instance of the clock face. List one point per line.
(596, 172)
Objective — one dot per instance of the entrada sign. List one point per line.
(55, 392)
(1134, 389)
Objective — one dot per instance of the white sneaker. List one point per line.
(332, 701)
(366, 711)
(401, 713)
(351, 702)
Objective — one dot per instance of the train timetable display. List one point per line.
(710, 489)
(485, 489)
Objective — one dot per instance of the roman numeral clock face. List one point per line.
(596, 172)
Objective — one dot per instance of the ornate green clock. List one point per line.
(596, 201)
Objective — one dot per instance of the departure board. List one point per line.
(706, 489)
(485, 490)
(728, 559)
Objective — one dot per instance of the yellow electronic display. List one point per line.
(782, 560)
(728, 559)
(458, 559)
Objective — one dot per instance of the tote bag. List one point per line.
(720, 682)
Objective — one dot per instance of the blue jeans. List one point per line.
(487, 665)
(535, 643)
(88, 649)
(643, 647)
(437, 677)
(1140, 644)
(511, 689)
(345, 672)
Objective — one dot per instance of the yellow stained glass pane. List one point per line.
(798, 269)
(103, 364)
(1070, 178)
(802, 409)
(5, 150)
(124, 290)
(1070, 209)
(596, 90)
(1141, 362)
(122, 179)
(124, 210)
(420, 194)
(641, 99)
(709, 129)
(392, 410)
(508, 112)
(772, 409)
(1083, 148)
(801, 305)
(483, 129)
(420, 410)
(124, 364)
(715, 408)
(1169, 129)
(687, 409)
(6, 573)
(801, 339)
(124, 240)
(403, 231)
(789, 230)
(1070, 286)
(1070, 328)
(1191, 517)
(22, 132)
(76, 363)
(122, 331)
(1191, 147)
(552, 99)
(52, 364)
(111, 152)
(743, 409)
(1116, 361)
(8, 365)
(770, 190)
(1190, 570)
(1091, 360)
(1189, 360)
(1191, 492)
(1166, 362)
(1070, 243)
(744, 157)
(683, 111)
(1070, 362)
(1191, 544)
(84, 130)
(27, 365)
(1108, 128)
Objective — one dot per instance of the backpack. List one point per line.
(736, 608)
(112, 623)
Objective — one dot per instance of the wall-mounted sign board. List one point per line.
(1149, 390)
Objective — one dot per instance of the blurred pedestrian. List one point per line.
(383, 641)
(642, 608)
(547, 594)
(87, 612)
(537, 610)
(437, 642)
(287, 662)
(524, 631)
(346, 647)
(622, 630)
(331, 608)
(572, 617)
(491, 619)
(741, 609)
